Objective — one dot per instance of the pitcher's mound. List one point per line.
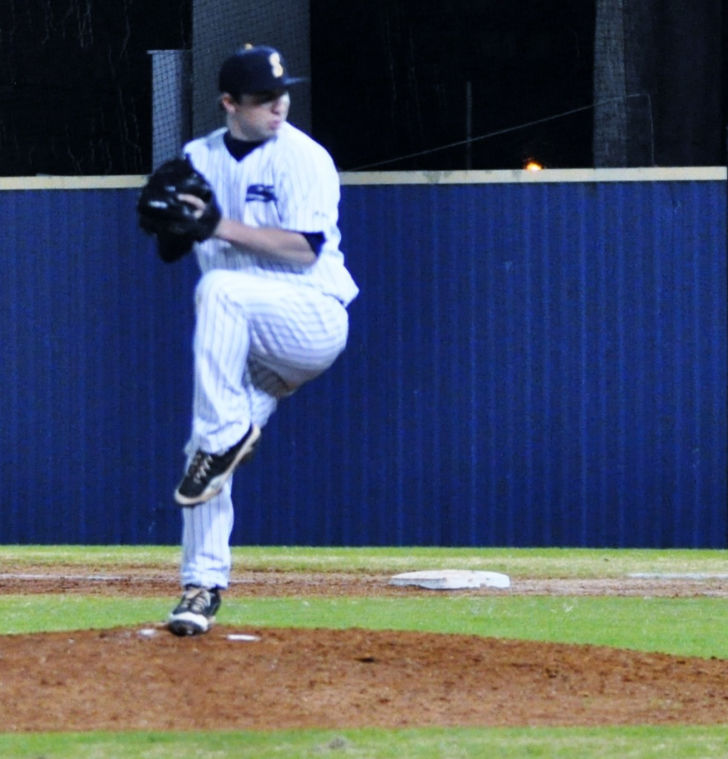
(232, 678)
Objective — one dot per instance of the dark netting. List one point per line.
(185, 95)
(75, 82)
(98, 87)
(116, 86)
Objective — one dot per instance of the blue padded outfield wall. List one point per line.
(533, 360)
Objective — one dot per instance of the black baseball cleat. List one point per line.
(195, 613)
(208, 472)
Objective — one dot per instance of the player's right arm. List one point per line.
(278, 244)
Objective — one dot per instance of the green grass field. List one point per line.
(685, 626)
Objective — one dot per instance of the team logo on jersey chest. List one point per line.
(263, 192)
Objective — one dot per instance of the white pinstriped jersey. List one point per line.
(288, 182)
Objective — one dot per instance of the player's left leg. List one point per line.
(244, 322)
(300, 338)
(221, 346)
(295, 331)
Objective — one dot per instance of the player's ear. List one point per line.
(227, 102)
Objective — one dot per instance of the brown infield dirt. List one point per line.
(144, 678)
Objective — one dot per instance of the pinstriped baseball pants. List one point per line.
(256, 340)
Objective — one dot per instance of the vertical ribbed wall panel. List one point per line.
(529, 364)
(549, 363)
(94, 342)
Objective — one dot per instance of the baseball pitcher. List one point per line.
(257, 202)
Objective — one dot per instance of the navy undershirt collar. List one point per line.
(238, 149)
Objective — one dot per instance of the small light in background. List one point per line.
(532, 165)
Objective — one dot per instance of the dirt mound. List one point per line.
(131, 679)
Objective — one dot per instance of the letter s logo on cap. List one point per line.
(276, 65)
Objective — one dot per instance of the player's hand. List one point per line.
(198, 204)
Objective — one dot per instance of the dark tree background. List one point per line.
(391, 78)
(394, 82)
(75, 82)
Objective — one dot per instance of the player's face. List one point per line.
(257, 117)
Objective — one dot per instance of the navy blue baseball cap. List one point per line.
(254, 69)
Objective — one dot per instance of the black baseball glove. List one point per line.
(176, 223)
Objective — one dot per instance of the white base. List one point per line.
(452, 579)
